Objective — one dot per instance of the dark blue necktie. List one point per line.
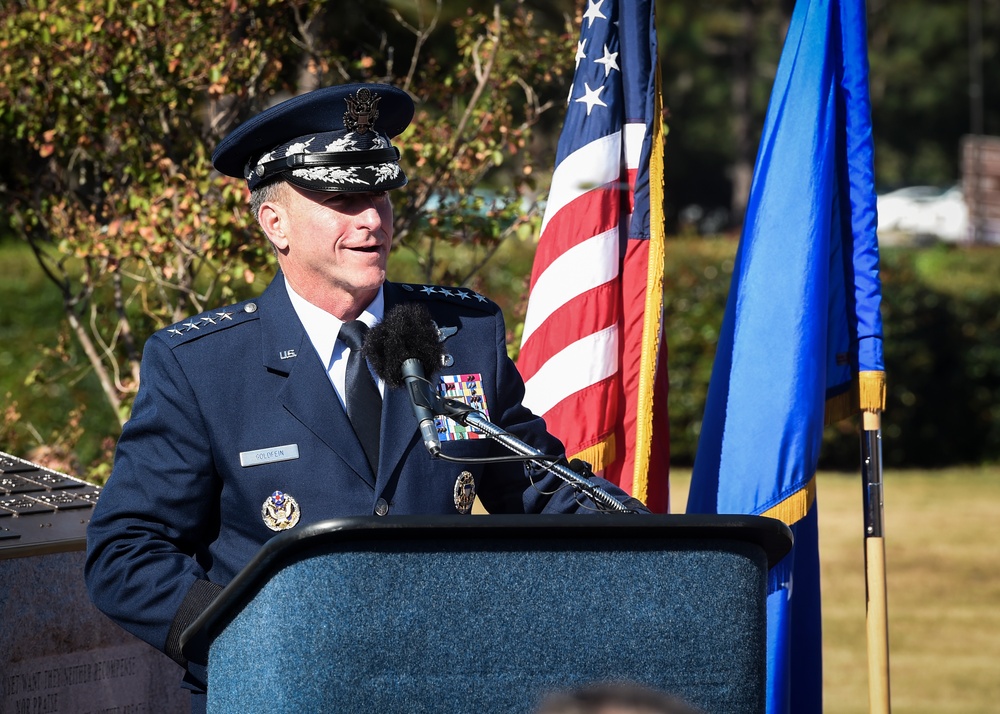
(364, 403)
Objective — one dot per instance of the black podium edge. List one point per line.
(48, 547)
(771, 535)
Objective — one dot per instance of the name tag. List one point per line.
(269, 456)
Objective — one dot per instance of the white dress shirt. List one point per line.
(323, 328)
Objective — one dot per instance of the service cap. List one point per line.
(330, 139)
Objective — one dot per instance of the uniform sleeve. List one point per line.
(513, 487)
(157, 513)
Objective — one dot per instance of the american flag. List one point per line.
(592, 352)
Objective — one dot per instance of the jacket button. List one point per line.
(381, 507)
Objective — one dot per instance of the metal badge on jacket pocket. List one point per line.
(280, 511)
(465, 492)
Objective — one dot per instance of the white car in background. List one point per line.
(924, 211)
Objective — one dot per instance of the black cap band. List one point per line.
(269, 169)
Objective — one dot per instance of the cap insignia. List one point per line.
(362, 110)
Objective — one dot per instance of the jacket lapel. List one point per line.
(307, 394)
(399, 426)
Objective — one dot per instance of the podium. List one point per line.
(491, 613)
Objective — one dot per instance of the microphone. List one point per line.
(403, 351)
(405, 348)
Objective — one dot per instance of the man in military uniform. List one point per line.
(263, 416)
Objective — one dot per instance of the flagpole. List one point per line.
(876, 606)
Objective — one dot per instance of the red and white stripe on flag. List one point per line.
(592, 354)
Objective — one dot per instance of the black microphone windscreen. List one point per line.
(406, 332)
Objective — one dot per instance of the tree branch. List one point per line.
(482, 78)
(94, 358)
(125, 329)
(422, 33)
(495, 246)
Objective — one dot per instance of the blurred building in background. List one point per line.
(968, 212)
(981, 186)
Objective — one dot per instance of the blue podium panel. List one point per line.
(490, 619)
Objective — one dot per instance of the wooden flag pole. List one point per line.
(877, 606)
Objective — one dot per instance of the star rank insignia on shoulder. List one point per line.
(210, 321)
(448, 294)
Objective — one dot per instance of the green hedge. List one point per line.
(941, 310)
(941, 313)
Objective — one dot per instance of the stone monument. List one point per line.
(58, 653)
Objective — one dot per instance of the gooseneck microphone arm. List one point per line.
(405, 348)
(467, 416)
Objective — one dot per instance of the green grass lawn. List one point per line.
(943, 579)
(45, 390)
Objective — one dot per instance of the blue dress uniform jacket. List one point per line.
(181, 516)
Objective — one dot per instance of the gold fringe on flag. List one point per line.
(795, 507)
(600, 455)
(871, 390)
(866, 394)
(841, 406)
(653, 311)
